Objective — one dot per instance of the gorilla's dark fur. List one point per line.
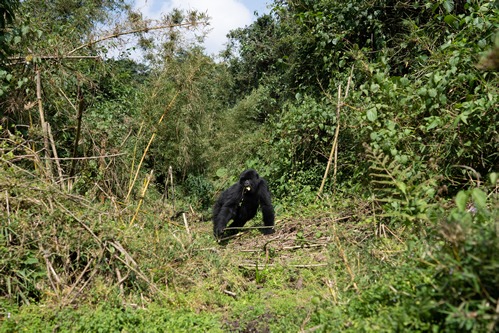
(240, 203)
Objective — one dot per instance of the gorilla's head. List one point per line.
(249, 180)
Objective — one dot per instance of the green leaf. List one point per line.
(222, 172)
(372, 114)
(464, 117)
(479, 198)
(422, 91)
(31, 260)
(402, 187)
(433, 124)
(493, 178)
(448, 5)
(461, 200)
(374, 87)
(443, 99)
(450, 19)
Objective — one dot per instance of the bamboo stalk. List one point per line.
(7, 205)
(26, 59)
(56, 157)
(78, 131)
(333, 155)
(170, 174)
(336, 135)
(134, 155)
(87, 281)
(130, 32)
(48, 162)
(148, 145)
(142, 195)
(187, 226)
(334, 146)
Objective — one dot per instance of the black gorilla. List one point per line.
(240, 203)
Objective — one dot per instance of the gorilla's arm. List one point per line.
(267, 208)
(226, 208)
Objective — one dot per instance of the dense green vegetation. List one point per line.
(375, 123)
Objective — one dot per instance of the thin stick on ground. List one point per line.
(273, 265)
(248, 228)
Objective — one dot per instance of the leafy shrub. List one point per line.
(110, 319)
(466, 264)
(300, 144)
(199, 189)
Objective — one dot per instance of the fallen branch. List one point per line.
(345, 260)
(288, 248)
(87, 281)
(248, 228)
(99, 241)
(273, 265)
(50, 269)
(73, 286)
(84, 158)
(132, 265)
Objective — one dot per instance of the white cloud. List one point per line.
(225, 15)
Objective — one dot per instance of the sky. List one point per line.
(225, 15)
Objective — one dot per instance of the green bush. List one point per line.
(299, 145)
(199, 189)
(466, 263)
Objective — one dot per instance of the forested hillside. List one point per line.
(375, 124)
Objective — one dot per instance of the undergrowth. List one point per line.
(69, 265)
